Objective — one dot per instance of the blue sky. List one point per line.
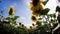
(23, 10)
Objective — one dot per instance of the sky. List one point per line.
(22, 9)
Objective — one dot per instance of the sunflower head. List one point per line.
(33, 18)
(36, 2)
(37, 12)
(20, 23)
(33, 24)
(30, 27)
(11, 10)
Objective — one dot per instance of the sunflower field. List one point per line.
(44, 23)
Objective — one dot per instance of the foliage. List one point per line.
(45, 2)
(11, 29)
(12, 19)
(38, 28)
(57, 8)
(45, 11)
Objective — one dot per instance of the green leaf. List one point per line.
(57, 8)
(48, 14)
(39, 18)
(51, 15)
(39, 23)
(45, 2)
(8, 18)
(14, 22)
(45, 11)
(15, 17)
(12, 19)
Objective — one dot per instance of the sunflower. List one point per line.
(33, 18)
(36, 2)
(37, 10)
(33, 24)
(11, 10)
(20, 23)
(31, 28)
(36, 13)
(36, 7)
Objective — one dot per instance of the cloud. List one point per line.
(23, 18)
(26, 1)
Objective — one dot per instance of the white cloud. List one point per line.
(23, 18)
(26, 1)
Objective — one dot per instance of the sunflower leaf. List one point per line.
(15, 17)
(45, 11)
(57, 8)
(40, 19)
(8, 18)
(45, 2)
